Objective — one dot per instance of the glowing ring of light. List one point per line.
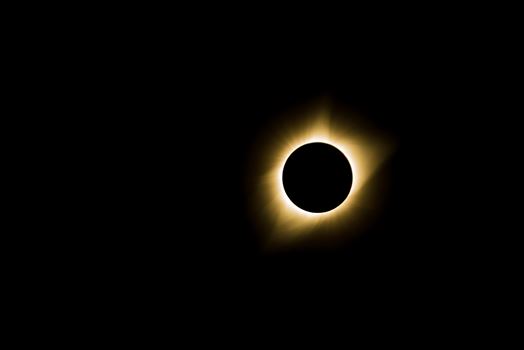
(286, 198)
(275, 212)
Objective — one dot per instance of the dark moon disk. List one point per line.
(317, 177)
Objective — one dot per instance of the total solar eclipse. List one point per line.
(317, 177)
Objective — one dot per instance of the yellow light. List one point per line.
(279, 219)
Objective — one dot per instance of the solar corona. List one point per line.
(311, 172)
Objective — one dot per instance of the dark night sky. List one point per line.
(145, 124)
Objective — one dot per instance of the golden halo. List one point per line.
(279, 219)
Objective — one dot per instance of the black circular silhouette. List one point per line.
(317, 177)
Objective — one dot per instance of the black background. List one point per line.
(141, 125)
